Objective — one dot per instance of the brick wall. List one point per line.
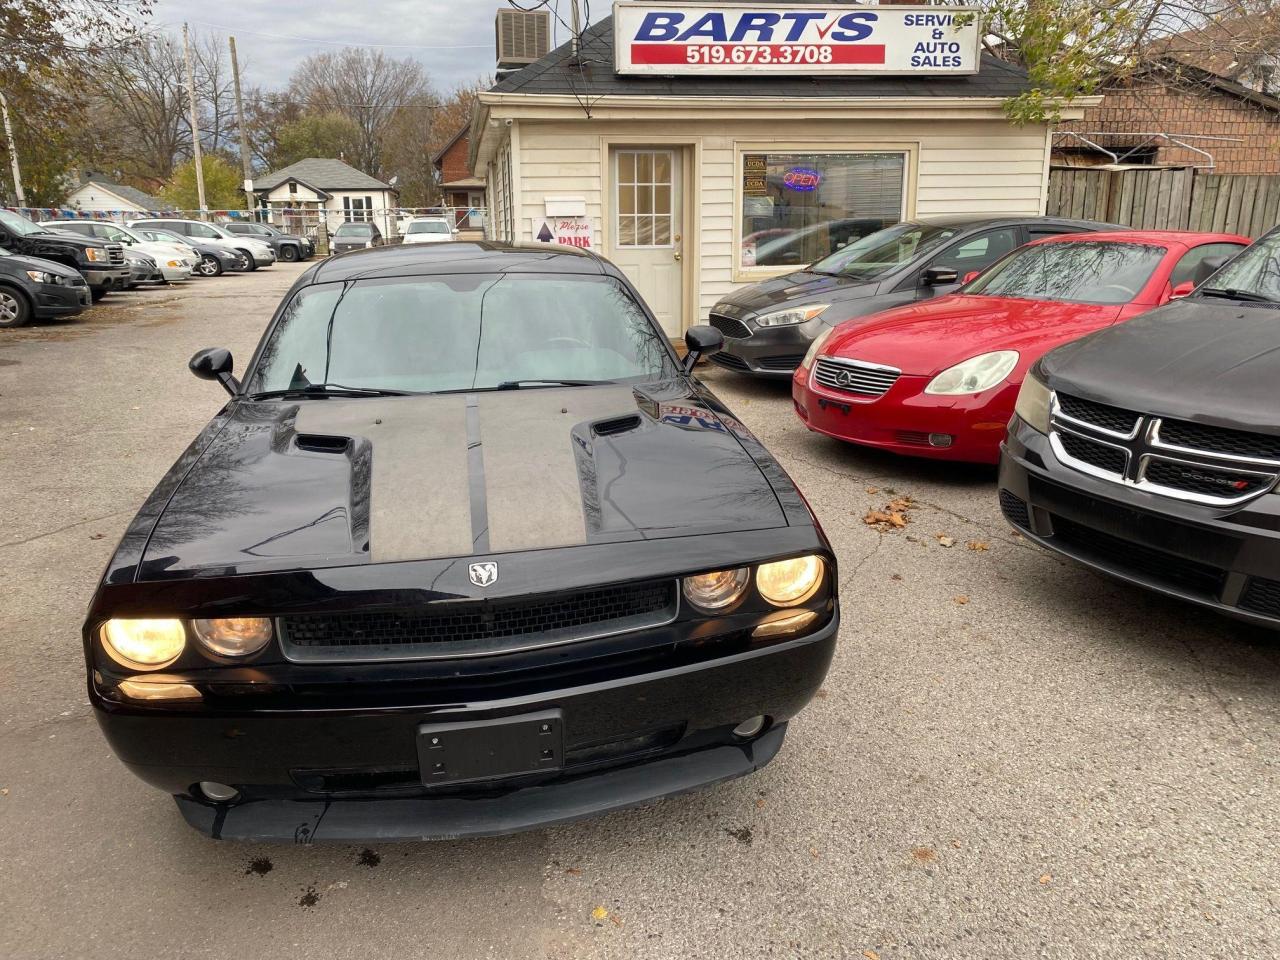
(1148, 106)
(453, 165)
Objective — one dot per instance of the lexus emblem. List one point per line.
(483, 574)
(844, 378)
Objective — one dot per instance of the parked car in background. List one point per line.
(354, 236)
(100, 263)
(794, 248)
(429, 230)
(36, 289)
(255, 252)
(143, 269)
(452, 662)
(768, 326)
(288, 247)
(210, 260)
(940, 378)
(1151, 451)
(173, 261)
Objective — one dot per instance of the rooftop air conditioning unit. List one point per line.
(523, 37)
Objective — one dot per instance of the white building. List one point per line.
(97, 195)
(680, 170)
(317, 189)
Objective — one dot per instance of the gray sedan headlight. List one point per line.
(792, 315)
(40, 276)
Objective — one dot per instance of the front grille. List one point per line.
(1095, 454)
(1151, 564)
(730, 361)
(76, 281)
(115, 253)
(1203, 480)
(1232, 443)
(1015, 510)
(852, 376)
(913, 438)
(1262, 596)
(729, 326)
(783, 364)
(469, 628)
(1098, 414)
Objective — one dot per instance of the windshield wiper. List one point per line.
(1233, 293)
(322, 390)
(520, 384)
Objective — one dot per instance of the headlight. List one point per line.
(1033, 403)
(816, 347)
(794, 315)
(97, 254)
(717, 590)
(789, 582)
(233, 636)
(39, 276)
(175, 263)
(974, 375)
(144, 644)
(368, 243)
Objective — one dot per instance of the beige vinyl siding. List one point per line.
(971, 166)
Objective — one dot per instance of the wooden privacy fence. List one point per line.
(1166, 198)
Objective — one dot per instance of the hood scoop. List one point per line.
(320, 443)
(611, 428)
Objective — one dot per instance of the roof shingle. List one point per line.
(323, 173)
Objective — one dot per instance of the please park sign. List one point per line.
(686, 38)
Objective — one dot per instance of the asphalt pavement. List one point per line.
(1011, 757)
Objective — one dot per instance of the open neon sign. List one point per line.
(802, 179)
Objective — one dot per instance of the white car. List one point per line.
(174, 262)
(429, 230)
(255, 252)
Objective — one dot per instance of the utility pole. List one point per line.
(244, 136)
(195, 122)
(13, 152)
(575, 23)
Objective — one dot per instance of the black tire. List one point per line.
(250, 263)
(209, 266)
(290, 254)
(97, 293)
(15, 309)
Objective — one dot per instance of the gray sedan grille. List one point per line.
(854, 376)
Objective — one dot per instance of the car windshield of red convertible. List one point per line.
(1082, 271)
(460, 332)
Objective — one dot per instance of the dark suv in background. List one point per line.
(101, 264)
(769, 326)
(1151, 450)
(289, 247)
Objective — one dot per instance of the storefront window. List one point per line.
(800, 207)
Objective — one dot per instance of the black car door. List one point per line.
(945, 271)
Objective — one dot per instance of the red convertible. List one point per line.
(939, 378)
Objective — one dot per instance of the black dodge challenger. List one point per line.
(469, 550)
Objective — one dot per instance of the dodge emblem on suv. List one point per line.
(483, 574)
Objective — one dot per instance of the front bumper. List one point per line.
(56, 300)
(1225, 559)
(354, 774)
(107, 278)
(770, 352)
(906, 418)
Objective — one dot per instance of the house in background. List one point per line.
(462, 190)
(321, 190)
(99, 195)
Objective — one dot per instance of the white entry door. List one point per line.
(647, 230)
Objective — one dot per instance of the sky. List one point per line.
(453, 39)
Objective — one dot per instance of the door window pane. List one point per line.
(800, 207)
(645, 181)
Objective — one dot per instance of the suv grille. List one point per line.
(1204, 480)
(1232, 443)
(1098, 414)
(1153, 564)
(116, 252)
(729, 326)
(854, 376)
(1095, 454)
(472, 628)
(1262, 596)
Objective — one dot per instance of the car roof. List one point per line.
(459, 257)
(975, 221)
(1187, 237)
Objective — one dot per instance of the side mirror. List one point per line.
(701, 341)
(939, 277)
(1182, 289)
(215, 363)
(1207, 268)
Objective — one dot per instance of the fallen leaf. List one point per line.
(760, 804)
(813, 852)
(1046, 878)
(956, 844)
(871, 955)
(873, 490)
(945, 540)
(615, 921)
(900, 504)
(599, 914)
(978, 546)
(822, 693)
(4, 791)
(896, 576)
(574, 872)
(924, 854)
(962, 599)
(96, 536)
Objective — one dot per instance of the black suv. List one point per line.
(35, 289)
(769, 326)
(289, 247)
(101, 264)
(1151, 450)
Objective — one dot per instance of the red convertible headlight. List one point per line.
(233, 636)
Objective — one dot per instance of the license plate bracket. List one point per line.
(469, 750)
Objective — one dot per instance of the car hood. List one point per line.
(1204, 360)
(925, 338)
(37, 263)
(793, 289)
(70, 239)
(289, 485)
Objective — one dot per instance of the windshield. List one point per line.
(161, 237)
(1255, 270)
(119, 234)
(354, 230)
(1076, 271)
(428, 226)
(885, 250)
(462, 332)
(19, 225)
